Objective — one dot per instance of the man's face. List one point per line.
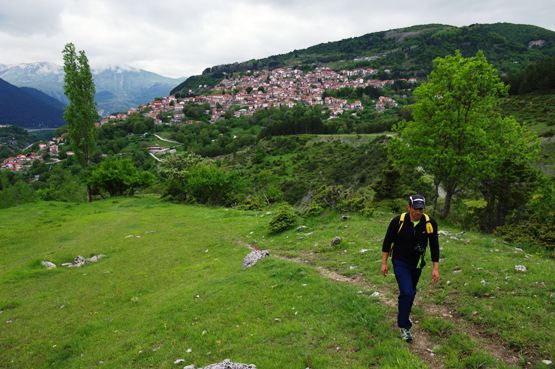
(415, 214)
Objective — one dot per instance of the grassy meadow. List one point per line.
(172, 287)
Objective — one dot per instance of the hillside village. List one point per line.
(22, 162)
(265, 89)
(250, 92)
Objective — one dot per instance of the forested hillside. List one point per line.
(406, 52)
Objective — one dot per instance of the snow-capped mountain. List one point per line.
(117, 87)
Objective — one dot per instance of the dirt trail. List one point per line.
(423, 344)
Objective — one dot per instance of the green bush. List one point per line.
(118, 176)
(18, 193)
(284, 219)
(62, 185)
(253, 202)
(534, 225)
(213, 185)
(331, 196)
(359, 201)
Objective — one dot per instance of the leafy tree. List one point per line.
(118, 176)
(80, 113)
(452, 122)
(506, 177)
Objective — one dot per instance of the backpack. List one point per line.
(429, 231)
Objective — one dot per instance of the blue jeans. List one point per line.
(407, 278)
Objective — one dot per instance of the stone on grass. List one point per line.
(48, 264)
(253, 257)
(520, 268)
(95, 258)
(228, 364)
(336, 241)
(547, 362)
(345, 217)
(79, 261)
(179, 361)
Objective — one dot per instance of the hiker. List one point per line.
(410, 233)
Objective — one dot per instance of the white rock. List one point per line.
(547, 362)
(375, 294)
(253, 257)
(520, 268)
(189, 367)
(362, 251)
(48, 264)
(179, 361)
(189, 350)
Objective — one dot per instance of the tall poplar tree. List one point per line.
(80, 114)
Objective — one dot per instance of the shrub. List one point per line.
(19, 193)
(253, 202)
(331, 196)
(210, 184)
(118, 176)
(62, 185)
(360, 200)
(285, 218)
(534, 225)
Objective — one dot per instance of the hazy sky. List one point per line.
(181, 38)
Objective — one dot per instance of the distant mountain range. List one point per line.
(117, 88)
(28, 107)
(406, 52)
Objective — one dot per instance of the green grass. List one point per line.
(176, 284)
(516, 308)
(172, 281)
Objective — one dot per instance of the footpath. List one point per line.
(423, 344)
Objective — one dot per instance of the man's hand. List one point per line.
(384, 263)
(435, 273)
(384, 269)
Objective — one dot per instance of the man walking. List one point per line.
(406, 240)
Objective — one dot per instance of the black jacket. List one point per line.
(405, 241)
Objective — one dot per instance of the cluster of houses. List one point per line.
(270, 88)
(23, 162)
(249, 92)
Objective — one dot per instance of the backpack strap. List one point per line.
(429, 226)
(401, 222)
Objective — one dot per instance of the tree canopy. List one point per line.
(457, 135)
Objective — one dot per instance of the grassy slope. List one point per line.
(479, 283)
(178, 286)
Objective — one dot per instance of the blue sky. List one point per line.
(182, 37)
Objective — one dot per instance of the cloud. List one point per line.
(181, 38)
(28, 17)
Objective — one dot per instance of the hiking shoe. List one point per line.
(406, 335)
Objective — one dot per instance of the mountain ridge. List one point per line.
(28, 108)
(118, 87)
